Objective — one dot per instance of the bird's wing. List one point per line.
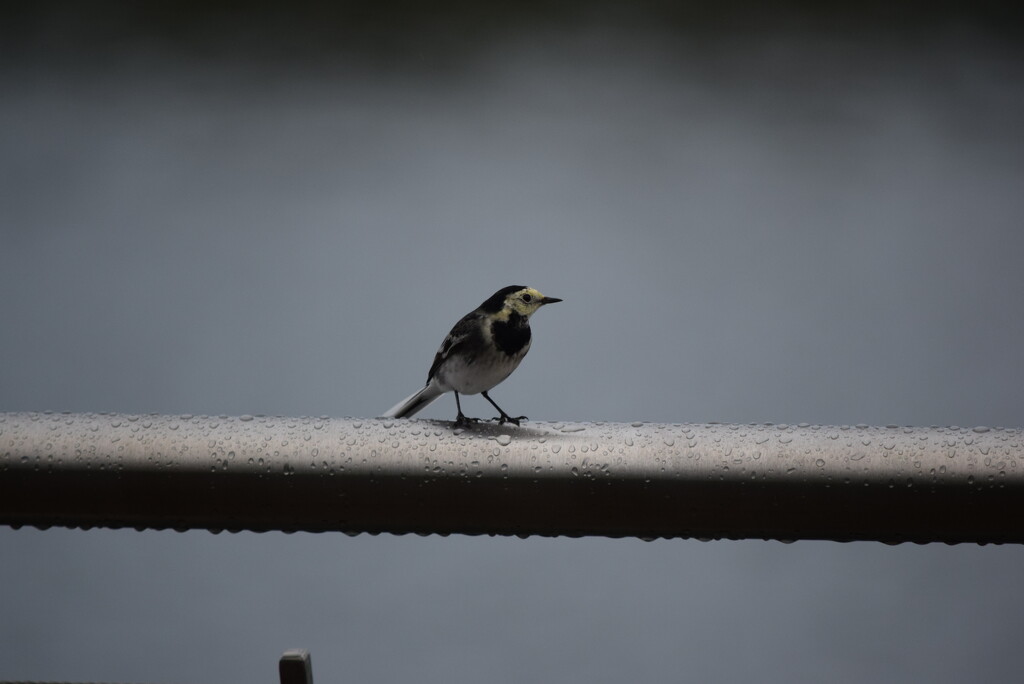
(459, 338)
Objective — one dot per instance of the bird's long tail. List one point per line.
(415, 403)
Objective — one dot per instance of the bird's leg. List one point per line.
(505, 418)
(462, 420)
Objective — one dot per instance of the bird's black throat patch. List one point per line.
(512, 335)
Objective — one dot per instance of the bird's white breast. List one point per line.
(480, 375)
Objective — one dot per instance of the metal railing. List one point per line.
(645, 480)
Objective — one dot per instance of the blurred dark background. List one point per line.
(789, 213)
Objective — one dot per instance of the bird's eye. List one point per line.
(527, 298)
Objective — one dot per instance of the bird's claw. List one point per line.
(463, 421)
(505, 418)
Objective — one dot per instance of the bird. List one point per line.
(481, 350)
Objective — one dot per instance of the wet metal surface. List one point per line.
(952, 484)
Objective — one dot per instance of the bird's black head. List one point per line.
(496, 302)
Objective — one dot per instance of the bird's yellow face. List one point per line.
(526, 301)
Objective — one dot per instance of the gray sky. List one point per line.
(788, 226)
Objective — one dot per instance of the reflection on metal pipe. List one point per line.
(643, 480)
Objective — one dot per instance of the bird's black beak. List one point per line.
(550, 300)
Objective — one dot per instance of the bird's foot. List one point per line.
(463, 421)
(505, 418)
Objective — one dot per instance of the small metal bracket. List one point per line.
(295, 667)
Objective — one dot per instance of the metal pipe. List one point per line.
(645, 480)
